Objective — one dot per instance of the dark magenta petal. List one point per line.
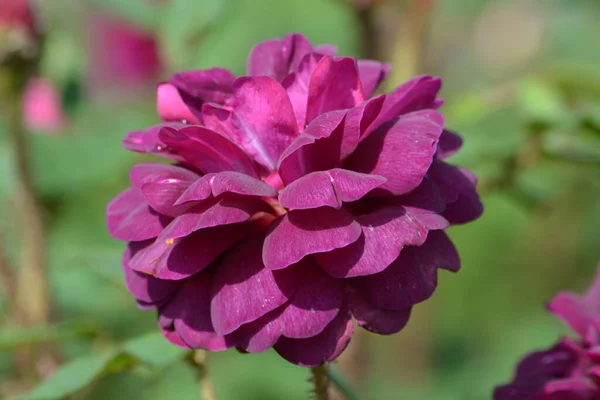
(334, 85)
(326, 49)
(324, 347)
(417, 94)
(243, 290)
(190, 312)
(315, 303)
(130, 219)
(303, 232)
(174, 338)
(376, 320)
(297, 86)
(401, 152)
(328, 188)
(168, 258)
(457, 187)
(148, 141)
(449, 144)
(207, 150)
(385, 233)
(226, 182)
(277, 57)
(170, 105)
(150, 291)
(372, 73)
(580, 313)
(224, 210)
(267, 124)
(162, 185)
(297, 159)
(412, 277)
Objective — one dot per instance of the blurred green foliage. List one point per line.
(532, 135)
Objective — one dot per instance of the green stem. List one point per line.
(340, 382)
(198, 359)
(320, 378)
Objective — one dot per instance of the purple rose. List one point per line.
(298, 202)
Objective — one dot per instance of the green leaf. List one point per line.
(154, 350)
(573, 146)
(71, 377)
(540, 101)
(12, 337)
(184, 24)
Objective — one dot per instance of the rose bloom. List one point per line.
(298, 201)
(570, 370)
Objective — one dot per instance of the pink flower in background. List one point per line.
(17, 14)
(42, 107)
(571, 369)
(298, 201)
(121, 54)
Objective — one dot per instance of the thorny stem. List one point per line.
(198, 359)
(320, 378)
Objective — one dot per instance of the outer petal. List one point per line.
(449, 144)
(145, 288)
(170, 106)
(198, 87)
(207, 150)
(412, 278)
(190, 311)
(372, 73)
(326, 346)
(385, 233)
(267, 124)
(178, 259)
(376, 320)
(243, 290)
(303, 232)
(328, 188)
(402, 152)
(224, 210)
(579, 312)
(162, 184)
(334, 85)
(276, 57)
(226, 182)
(148, 141)
(130, 219)
(417, 94)
(316, 302)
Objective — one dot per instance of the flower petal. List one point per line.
(207, 150)
(277, 57)
(178, 259)
(376, 320)
(372, 73)
(315, 303)
(316, 350)
(243, 290)
(130, 219)
(412, 277)
(170, 106)
(190, 311)
(267, 124)
(385, 233)
(449, 144)
(328, 188)
(150, 172)
(224, 210)
(417, 94)
(226, 182)
(297, 83)
(148, 141)
(402, 152)
(149, 290)
(334, 85)
(302, 232)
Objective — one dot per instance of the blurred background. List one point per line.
(522, 86)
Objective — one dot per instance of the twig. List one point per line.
(198, 358)
(8, 280)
